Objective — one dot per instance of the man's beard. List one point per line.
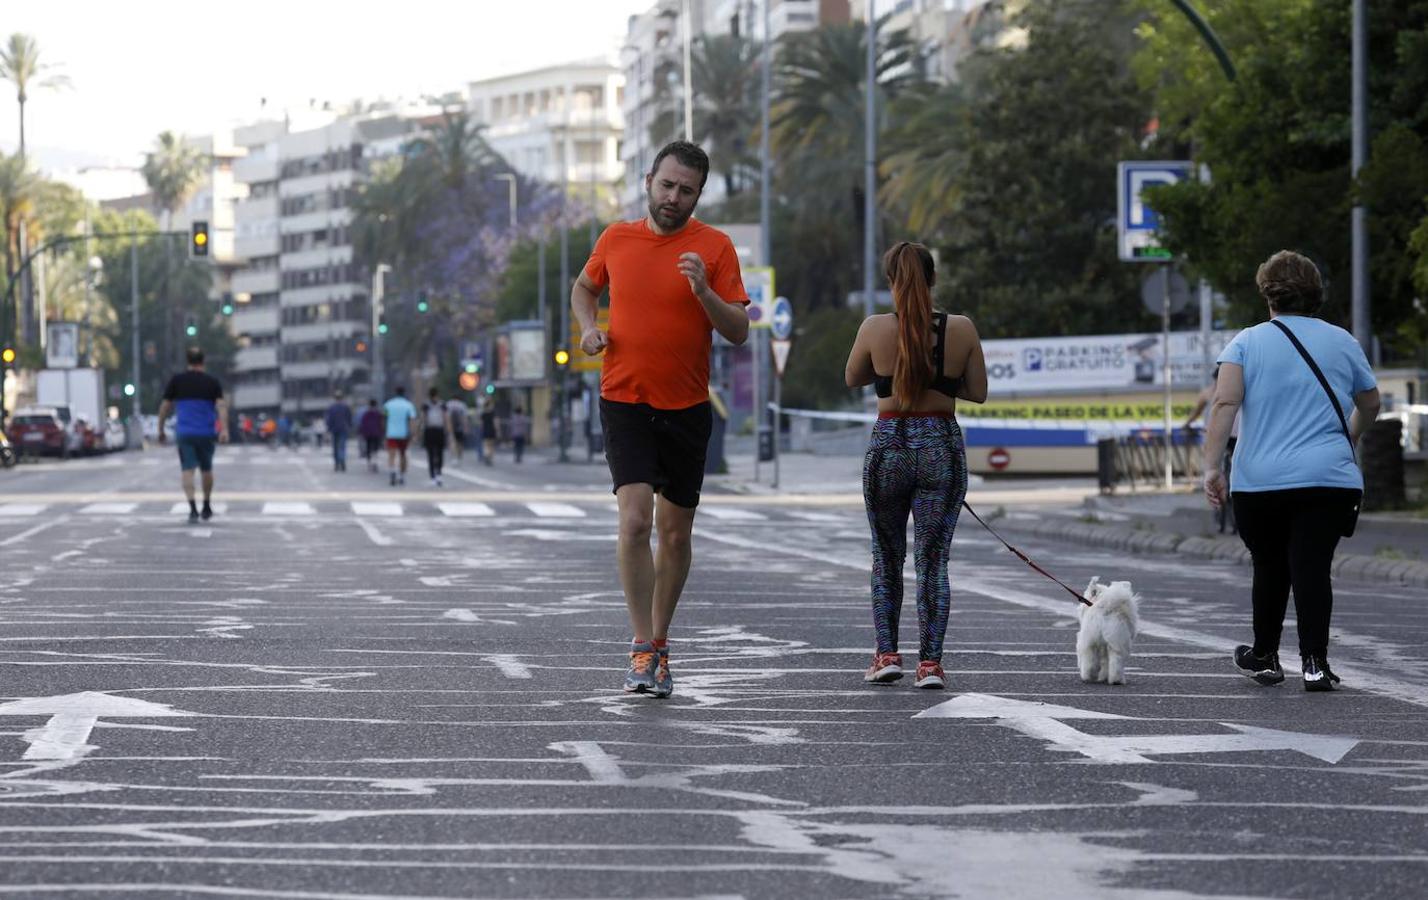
(668, 219)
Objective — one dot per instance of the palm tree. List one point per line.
(173, 170)
(725, 73)
(18, 186)
(452, 151)
(20, 65)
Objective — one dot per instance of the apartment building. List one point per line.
(559, 124)
(302, 315)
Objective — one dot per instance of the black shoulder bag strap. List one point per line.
(1333, 401)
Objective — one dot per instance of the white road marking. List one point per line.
(275, 508)
(376, 509)
(556, 510)
(509, 664)
(22, 509)
(478, 480)
(381, 540)
(465, 510)
(809, 516)
(732, 514)
(461, 615)
(30, 532)
(109, 509)
(73, 716)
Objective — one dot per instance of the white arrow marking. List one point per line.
(1043, 720)
(509, 664)
(73, 716)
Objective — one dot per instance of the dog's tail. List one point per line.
(1113, 601)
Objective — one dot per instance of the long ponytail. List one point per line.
(910, 274)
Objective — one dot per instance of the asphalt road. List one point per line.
(341, 689)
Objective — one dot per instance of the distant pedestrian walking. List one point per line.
(200, 419)
(1295, 484)
(488, 434)
(339, 424)
(917, 459)
(436, 427)
(519, 428)
(401, 419)
(371, 427)
(456, 417)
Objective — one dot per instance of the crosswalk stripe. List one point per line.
(817, 516)
(556, 510)
(273, 508)
(376, 509)
(109, 509)
(733, 515)
(21, 509)
(180, 508)
(465, 510)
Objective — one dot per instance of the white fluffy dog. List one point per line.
(1108, 628)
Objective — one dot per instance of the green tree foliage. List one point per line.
(1011, 175)
(1277, 142)
(725, 107)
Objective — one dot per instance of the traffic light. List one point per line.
(490, 389)
(469, 381)
(129, 390)
(422, 305)
(562, 357)
(198, 240)
(382, 323)
(190, 325)
(7, 356)
(360, 346)
(226, 308)
(472, 367)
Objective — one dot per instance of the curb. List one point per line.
(1345, 565)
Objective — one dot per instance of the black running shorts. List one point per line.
(663, 448)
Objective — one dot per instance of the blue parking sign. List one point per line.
(1137, 224)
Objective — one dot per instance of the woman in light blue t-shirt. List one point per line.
(1295, 482)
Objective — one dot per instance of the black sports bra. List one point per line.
(943, 384)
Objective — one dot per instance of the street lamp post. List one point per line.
(1358, 223)
(379, 369)
(688, 82)
(870, 151)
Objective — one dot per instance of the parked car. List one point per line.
(40, 431)
(85, 437)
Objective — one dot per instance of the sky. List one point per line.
(139, 67)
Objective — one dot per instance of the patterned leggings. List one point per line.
(916, 464)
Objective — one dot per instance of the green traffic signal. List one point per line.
(191, 331)
(490, 389)
(382, 328)
(422, 306)
(128, 390)
(227, 309)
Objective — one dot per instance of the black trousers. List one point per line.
(1291, 536)
(435, 441)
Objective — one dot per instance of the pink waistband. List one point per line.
(927, 414)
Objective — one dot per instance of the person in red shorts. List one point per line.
(673, 280)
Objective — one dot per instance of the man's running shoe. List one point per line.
(886, 668)
(930, 675)
(192, 516)
(1263, 668)
(1317, 675)
(663, 681)
(392, 478)
(641, 675)
(207, 511)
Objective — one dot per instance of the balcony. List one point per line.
(263, 320)
(255, 359)
(260, 282)
(257, 396)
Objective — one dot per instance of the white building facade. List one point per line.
(560, 124)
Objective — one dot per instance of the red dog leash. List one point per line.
(1023, 557)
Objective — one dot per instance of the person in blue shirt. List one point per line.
(401, 417)
(1294, 482)
(195, 398)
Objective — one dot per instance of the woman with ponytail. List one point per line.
(916, 461)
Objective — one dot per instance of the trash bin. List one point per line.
(766, 445)
(1106, 464)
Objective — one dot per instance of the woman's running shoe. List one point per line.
(930, 675)
(640, 677)
(886, 668)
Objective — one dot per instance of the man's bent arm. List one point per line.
(165, 408)
(731, 320)
(585, 302)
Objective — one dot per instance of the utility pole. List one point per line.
(870, 151)
(1359, 273)
(765, 240)
(137, 426)
(563, 336)
(688, 82)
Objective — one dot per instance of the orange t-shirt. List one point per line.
(658, 352)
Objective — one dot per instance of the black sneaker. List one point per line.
(1317, 674)
(207, 512)
(1264, 669)
(193, 517)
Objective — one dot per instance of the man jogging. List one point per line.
(196, 400)
(401, 416)
(672, 280)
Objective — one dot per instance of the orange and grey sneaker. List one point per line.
(663, 681)
(641, 675)
(930, 675)
(886, 668)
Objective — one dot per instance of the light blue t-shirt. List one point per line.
(1290, 436)
(400, 413)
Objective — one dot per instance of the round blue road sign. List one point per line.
(782, 319)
